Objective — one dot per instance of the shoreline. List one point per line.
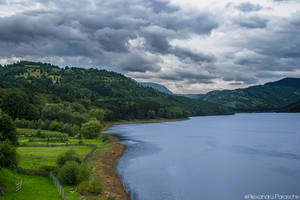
(104, 161)
(108, 125)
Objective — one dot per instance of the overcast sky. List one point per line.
(190, 46)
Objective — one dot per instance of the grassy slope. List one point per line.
(36, 157)
(34, 187)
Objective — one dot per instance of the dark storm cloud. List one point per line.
(248, 7)
(113, 39)
(188, 54)
(251, 22)
(189, 77)
(236, 84)
(101, 30)
(202, 23)
(135, 62)
(157, 42)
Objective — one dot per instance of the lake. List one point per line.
(211, 158)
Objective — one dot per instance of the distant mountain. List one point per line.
(292, 108)
(261, 98)
(156, 86)
(187, 95)
(286, 82)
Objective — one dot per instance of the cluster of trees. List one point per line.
(77, 100)
(96, 87)
(73, 171)
(49, 125)
(8, 141)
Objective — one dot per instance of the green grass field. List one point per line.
(34, 187)
(37, 157)
(26, 141)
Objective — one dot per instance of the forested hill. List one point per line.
(262, 98)
(156, 86)
(33, 90)
(291, 108)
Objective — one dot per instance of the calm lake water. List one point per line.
(211, 158)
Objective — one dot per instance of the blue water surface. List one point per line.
(211, 158)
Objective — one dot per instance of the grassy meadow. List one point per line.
(34, 187)
(39, 157)
(33, 156)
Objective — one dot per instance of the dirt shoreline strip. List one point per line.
(104, 162)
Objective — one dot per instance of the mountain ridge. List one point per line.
(268, 97)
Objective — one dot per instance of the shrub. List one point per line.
(70, 155)
(104, 138)
(44, 134)
(110, 198)
(8, 155)
(84, 172)
(68, 173)
(7, 128)
(95, 186)
(55, 126)
(92, 185)
(73, 173)
(91, 129)
(83, 186)
(38, 133)
(75, 129)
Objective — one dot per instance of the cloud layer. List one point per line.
(189, 47)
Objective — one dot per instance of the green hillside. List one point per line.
(262, 98)
(32, 90)
(292, 108)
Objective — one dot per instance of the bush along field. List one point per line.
(44, 164)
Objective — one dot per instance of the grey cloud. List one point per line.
(247, 79)
(101, 31)
(114, 39)
(161, 6)
(157, 43)
(188, 76)
(135, 62)
(248, 7)
(203, 23)
(236, 84)
(280, 44)
(197, 57)
(252, 22)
